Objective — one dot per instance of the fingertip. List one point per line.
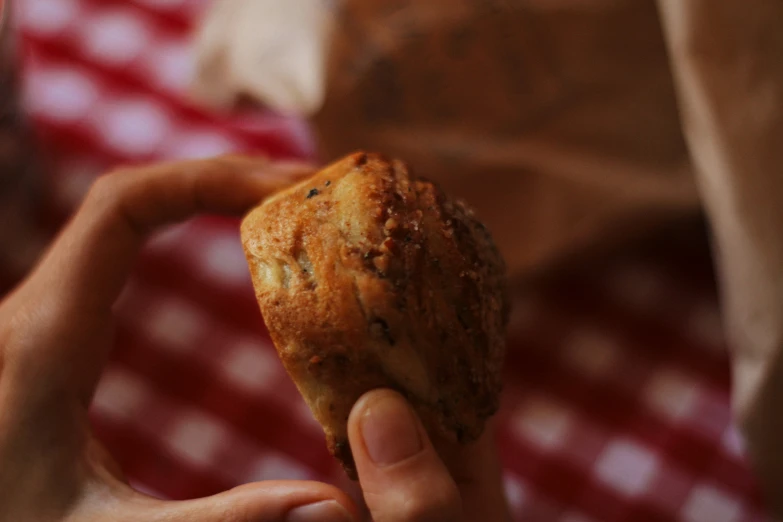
(385, 429)
(270, 501)
(290, 170)
(309, 501)
(361, 406)
(295, 165)
(373, 397)
(267, 180)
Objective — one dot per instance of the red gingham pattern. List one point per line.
(616, 400)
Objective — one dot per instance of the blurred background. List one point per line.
(616, 404)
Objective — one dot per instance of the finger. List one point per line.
(284, 501)
(477, 471)
(64, 309)
(89, 262)
(401, 475)
(273, 501)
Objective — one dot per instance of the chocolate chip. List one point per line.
(313, 192)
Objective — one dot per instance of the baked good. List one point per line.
(369, 277)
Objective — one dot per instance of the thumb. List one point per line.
(274, 501)
(401, 475)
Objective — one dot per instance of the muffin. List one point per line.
(369, 277)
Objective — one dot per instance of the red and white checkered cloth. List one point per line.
(616, 405)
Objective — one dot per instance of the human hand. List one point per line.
(55, 335)
(403, 479)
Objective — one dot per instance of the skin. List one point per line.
(56, 333)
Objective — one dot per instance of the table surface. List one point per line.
(616, 405)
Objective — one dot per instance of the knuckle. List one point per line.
(107, 191)
(102, 191)
(22, 331)
(20, 324)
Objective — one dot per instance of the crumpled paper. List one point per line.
(563, 122)
(727, 57)
(557, 121)
(266, 50)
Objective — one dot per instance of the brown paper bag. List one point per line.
(728, 60)
(557, 121)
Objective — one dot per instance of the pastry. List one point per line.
(369, 277)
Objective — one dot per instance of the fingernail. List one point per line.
(389, 430)
(326, 511)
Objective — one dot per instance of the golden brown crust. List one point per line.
(367, 278)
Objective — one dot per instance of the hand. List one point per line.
(55, 334)
(404, 480)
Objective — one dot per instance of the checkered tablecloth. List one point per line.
(616, 400)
